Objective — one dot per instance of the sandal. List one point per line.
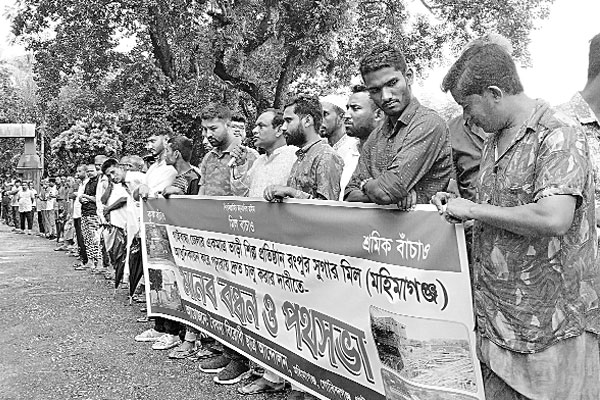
(261, 385)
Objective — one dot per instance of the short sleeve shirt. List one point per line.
(188, 182)
(317, 171)
(528, 291)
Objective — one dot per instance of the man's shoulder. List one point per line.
(424, 114)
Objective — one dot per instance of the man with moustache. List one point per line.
(165, 333)
(271, 168)
(215, 180)
(334, 130)
(215, 168)
(318, 169)
(362, 115)
(411, 149)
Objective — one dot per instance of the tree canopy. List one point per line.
(245, 53)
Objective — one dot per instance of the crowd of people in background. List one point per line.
(522, 177)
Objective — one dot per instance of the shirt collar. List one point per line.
(302, 152)
(337, 145)
(582, 110)
(406, 116)
(234, 142)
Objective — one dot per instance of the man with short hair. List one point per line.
(160, 175)
(316, 174)
(114, 201)
(178, 154)
(215, 168)
(334, 129)
(238, 125)
(89, 219)
(411, 149)
(215, 180)
(535, 236)
(14, 203)
(271, 168)
(362, 115)
(81, 174)
(584, 107)
(317, 171)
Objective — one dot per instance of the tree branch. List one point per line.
(241, 84)
(287, 69)
(160, 45)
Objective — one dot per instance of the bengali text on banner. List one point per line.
(349, 302)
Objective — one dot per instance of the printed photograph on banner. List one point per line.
(424, 351)
(397, 388)
(161, 264)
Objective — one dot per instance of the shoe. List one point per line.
(60, 248)
(185, 350)
(81, 267)
(261, 385)
(150, 335)
(143, 319)
(166, 342)
(108, 276)
(214, 365)
(202, 353)
(233, 373)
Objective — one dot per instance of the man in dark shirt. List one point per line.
(318, 169)
(467, 142)
(411, 149)
(178, 154)
(89, 219)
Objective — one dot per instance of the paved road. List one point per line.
(65, 336)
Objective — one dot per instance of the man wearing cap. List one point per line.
(333, 129)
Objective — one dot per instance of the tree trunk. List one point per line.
(160, 44)
(287, 70)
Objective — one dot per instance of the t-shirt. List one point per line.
(25, 200)
(51, 194)
(77, 203)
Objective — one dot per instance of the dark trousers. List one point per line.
(6, 213)
(27, 215)
(165, 325)
(15, 215)
(40, 221)
(80, 242)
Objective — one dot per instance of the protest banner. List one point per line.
(349, 302)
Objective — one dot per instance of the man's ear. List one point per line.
(307, 121)
(409, 76)
(278, 131)
(495, 91)
(378, 114)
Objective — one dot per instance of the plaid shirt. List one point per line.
(528, 289)
(414, 153)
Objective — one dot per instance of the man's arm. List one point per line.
(549, 216)
(420, 150)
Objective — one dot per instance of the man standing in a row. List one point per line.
(317, 172)
(534, 235)
(411, 149)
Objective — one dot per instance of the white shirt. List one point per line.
(347, 148)
(51, 202)
(77, 203)
(133, 180)
(118, 217)
(159, 176)
(25, 200)
(265, 171)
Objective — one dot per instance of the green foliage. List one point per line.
(245, 53)
(89, 137)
